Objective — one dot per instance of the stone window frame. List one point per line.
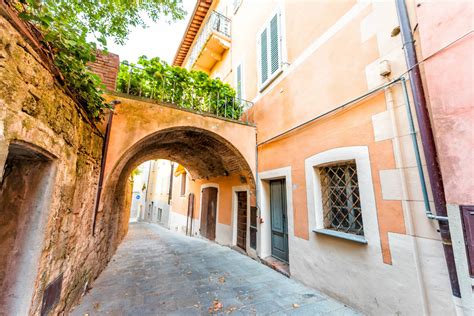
(359, 154)
(337, 177)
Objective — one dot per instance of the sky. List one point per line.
(159, 39)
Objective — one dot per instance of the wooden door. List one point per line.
(279, 224)
(242, 220)
(209, 213)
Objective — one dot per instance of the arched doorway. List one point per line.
(207, 157)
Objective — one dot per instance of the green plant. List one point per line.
(67, 24)
(154, 78)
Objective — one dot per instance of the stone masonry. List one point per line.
(36, 112)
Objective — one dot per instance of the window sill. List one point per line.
(346, 236)
(271, 79)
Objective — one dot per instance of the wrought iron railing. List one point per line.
(192, 98)
(216, 23)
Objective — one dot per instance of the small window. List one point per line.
(341, 198)
(183, 184)
(270, 51)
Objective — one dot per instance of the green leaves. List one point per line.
(154, 78)
(65, 25)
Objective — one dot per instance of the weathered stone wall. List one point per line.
(36, 112)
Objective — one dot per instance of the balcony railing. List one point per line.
(216, 23)
(165, 90)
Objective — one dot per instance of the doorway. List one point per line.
(25, 195)
(242, 220)
(208, 212)
(279, 222)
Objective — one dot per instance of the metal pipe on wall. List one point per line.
(105, 148)
(427, 140)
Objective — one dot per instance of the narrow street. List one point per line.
(158, 272)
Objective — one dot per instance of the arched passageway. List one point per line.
(216, 153)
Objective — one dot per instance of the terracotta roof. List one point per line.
(200, 12)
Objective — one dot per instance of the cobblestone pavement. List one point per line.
(158, 272)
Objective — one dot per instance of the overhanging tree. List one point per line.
(66, 26)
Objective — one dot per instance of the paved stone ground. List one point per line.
(158, 272)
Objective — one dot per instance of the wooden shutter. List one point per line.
(263, 57)
(274, 44)
(270, 49)
(238, 80)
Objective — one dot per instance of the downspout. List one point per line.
(105, 147)
(427, 139)
(146, 192)
(170, 190)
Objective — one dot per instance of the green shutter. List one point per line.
(239, 83)
(274, 45)
(263, 56)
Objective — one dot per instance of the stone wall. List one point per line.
(38, 119)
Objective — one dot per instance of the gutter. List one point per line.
(428, 143)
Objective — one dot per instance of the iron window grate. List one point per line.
(341, 198)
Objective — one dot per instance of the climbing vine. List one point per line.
(70, 30)
(154, 78)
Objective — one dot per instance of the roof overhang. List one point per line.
(195, 22)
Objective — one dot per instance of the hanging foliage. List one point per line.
(66, 26)
(195, 90)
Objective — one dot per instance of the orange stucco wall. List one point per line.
(135, 120)
(350, 128)
(326, 78)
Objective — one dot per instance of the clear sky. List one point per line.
(159, 39)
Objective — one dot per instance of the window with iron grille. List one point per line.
(341, 198)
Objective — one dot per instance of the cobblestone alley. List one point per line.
(158, 272)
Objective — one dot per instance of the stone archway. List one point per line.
(203, 153)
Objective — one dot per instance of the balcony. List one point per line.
(211, 44)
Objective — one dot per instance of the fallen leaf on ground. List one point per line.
(230, 310)
(295, 305)
(96, 306)
(222, 279)
(216, 306)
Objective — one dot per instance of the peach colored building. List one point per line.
(342, 195)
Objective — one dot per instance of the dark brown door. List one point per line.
(242, 220)
(209, 213)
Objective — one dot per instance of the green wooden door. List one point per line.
(279, 221)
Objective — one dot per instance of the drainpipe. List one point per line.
(170, 190)
(427, 139)
(105, 147)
